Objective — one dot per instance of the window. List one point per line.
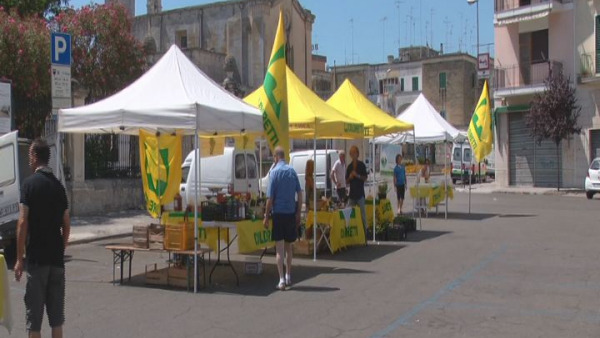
(595, 165)
(388, 85)
(597, 44)
(415, 84)
(456, 155)
(401, 85)
(181, 39)
(7, 165)
(467, 155)
(185, 171)
(539, 46)
(442, 80)
(240, 166)
(251, 162)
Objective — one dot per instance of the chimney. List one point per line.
(441, 49)
(390, 59)
(154, 6)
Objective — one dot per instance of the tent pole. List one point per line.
(196, 192)
(314, 195)
(446, 176)
(260, 161)
(373, 166)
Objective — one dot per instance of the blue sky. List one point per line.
(366, 31)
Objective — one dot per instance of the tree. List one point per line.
(106, 56)
(25, 61)
(39, 8)
(554, 113)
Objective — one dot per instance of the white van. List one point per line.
(461, 164)
(234, 171)
(323, 166)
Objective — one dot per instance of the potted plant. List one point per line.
(408, 223)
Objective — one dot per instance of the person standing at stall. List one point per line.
(338, 176)
(44, 227)
(284, 199)
(400, 182)
(356, 175)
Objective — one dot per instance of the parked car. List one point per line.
(592, 180)
(234, 171)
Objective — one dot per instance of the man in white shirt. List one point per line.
(338, 176)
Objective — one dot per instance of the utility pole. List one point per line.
(383, 20)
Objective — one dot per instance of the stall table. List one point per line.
(433, 195)
(339, 228)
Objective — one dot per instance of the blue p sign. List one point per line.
(61, 49)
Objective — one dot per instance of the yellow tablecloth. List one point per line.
(383, 211)
(5, 310)
(253, 236)
(434, 192)
(346, 226)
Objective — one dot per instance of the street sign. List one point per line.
(61, 81)
(60, 49)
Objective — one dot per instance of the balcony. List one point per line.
(511, 11)
(523, 79)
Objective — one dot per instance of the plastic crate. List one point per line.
(179, 236)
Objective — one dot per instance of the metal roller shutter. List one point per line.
(530, 164)
(594, 143)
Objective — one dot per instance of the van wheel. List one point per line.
(589, 195)
(10, 253)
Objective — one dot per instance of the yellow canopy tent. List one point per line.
(311, 117)
(376, 122)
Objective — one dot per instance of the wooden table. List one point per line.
(123, 253)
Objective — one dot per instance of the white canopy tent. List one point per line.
(429, 127)
(174, 95)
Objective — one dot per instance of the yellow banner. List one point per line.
(253, 236)
(273, 97)
(160, 158)
(212, 146)
(481, 135)
(244, 142)
(383, 212)
(346, 227)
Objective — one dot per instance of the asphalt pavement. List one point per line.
(517, 266)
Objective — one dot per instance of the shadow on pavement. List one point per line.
(463, 216)
(263, 285)
(423, 235)
(515, 216)
(359, 253)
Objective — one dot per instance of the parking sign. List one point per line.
(61, 49)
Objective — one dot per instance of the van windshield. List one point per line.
(467, 157)
(185, 171)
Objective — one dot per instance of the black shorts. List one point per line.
(342, 196)
(284, 228)
(45, 288)
(400, 189)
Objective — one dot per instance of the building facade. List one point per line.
(241, 29)
(533, 39)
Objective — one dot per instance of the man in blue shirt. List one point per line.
(400, 182)
(284, 198)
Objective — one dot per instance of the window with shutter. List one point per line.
(597, 44)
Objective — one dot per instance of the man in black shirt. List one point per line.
(44, 226)
(356, 175)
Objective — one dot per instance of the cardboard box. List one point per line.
(253, 266)
(154, 276)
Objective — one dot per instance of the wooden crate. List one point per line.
(156, 237)
(155, 276)
(178, 277)
(139, 236)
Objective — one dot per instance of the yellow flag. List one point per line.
(273, 95)
(481, 135)
(160, 158)
(212, 146)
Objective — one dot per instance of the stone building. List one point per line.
(242, 29)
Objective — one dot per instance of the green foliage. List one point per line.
(25, 61)
(106, 56)
(39, 8)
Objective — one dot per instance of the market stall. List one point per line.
(429, 127)
(337, 228)
(431, 195)
(172, 97)
(377, 122)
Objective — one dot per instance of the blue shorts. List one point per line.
(284, 228)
